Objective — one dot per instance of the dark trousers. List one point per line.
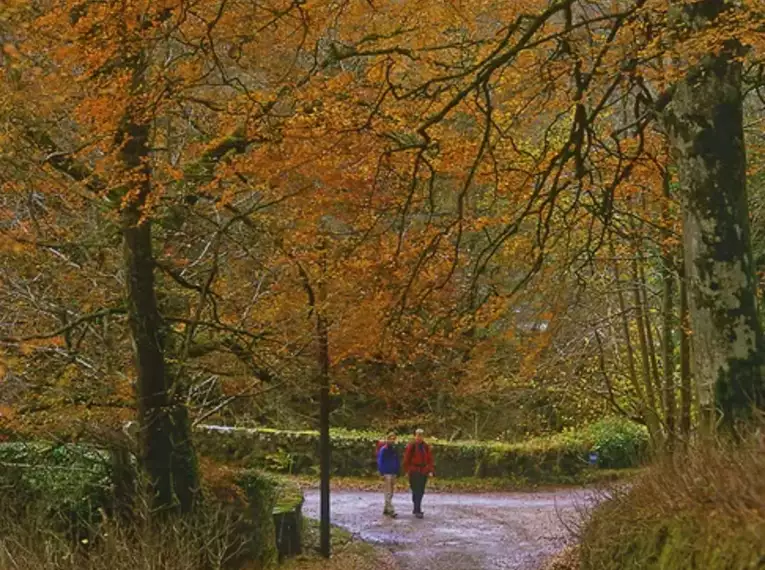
(417, 482)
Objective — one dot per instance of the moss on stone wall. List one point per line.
(552, 459)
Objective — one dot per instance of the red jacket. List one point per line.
(418, 458)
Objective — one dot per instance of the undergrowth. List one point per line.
(704, 509)
(40, 529)
(207, 541)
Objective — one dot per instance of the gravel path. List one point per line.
(488, 531)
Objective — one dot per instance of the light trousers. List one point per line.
(389, 484)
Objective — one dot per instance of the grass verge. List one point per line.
(473, 484)
(700, 510)
(348, 552)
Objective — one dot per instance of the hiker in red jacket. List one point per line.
(418, 464)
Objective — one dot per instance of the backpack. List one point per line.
(380, 443)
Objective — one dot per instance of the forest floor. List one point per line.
(463, 531)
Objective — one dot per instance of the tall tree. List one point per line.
(705, 123)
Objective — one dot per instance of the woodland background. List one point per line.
(495, 247)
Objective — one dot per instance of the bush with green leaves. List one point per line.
(72, 483)
(619, 443)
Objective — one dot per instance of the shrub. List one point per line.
(619, 443)
(54, 513)
(70, 483)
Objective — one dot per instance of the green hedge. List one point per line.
(617, 444)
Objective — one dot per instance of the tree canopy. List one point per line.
(511, 216)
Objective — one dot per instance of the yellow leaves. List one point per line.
(68, 376)
(27, 348)
(376, 72)
(14, 246)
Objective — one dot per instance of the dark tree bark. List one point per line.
(704, 122)
(165, 444)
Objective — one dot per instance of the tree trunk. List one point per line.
(686, 382)
(645, 410)
(668, 350)
(642, 284)
(669, 320)
(706, 131)
(166, 452)
(652, 415)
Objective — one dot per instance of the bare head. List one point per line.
(418, 435)
(391, 438)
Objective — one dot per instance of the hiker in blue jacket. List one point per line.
(388, 465)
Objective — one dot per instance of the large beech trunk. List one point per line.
(166, 452)
(706, 130)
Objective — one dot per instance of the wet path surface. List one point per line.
(488, 531)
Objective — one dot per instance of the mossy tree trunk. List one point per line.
(705, 125)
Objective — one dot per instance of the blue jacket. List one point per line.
(387, 460)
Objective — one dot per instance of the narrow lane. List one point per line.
(488, 531)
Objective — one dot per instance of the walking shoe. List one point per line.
(419, 515)
(390, 514)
